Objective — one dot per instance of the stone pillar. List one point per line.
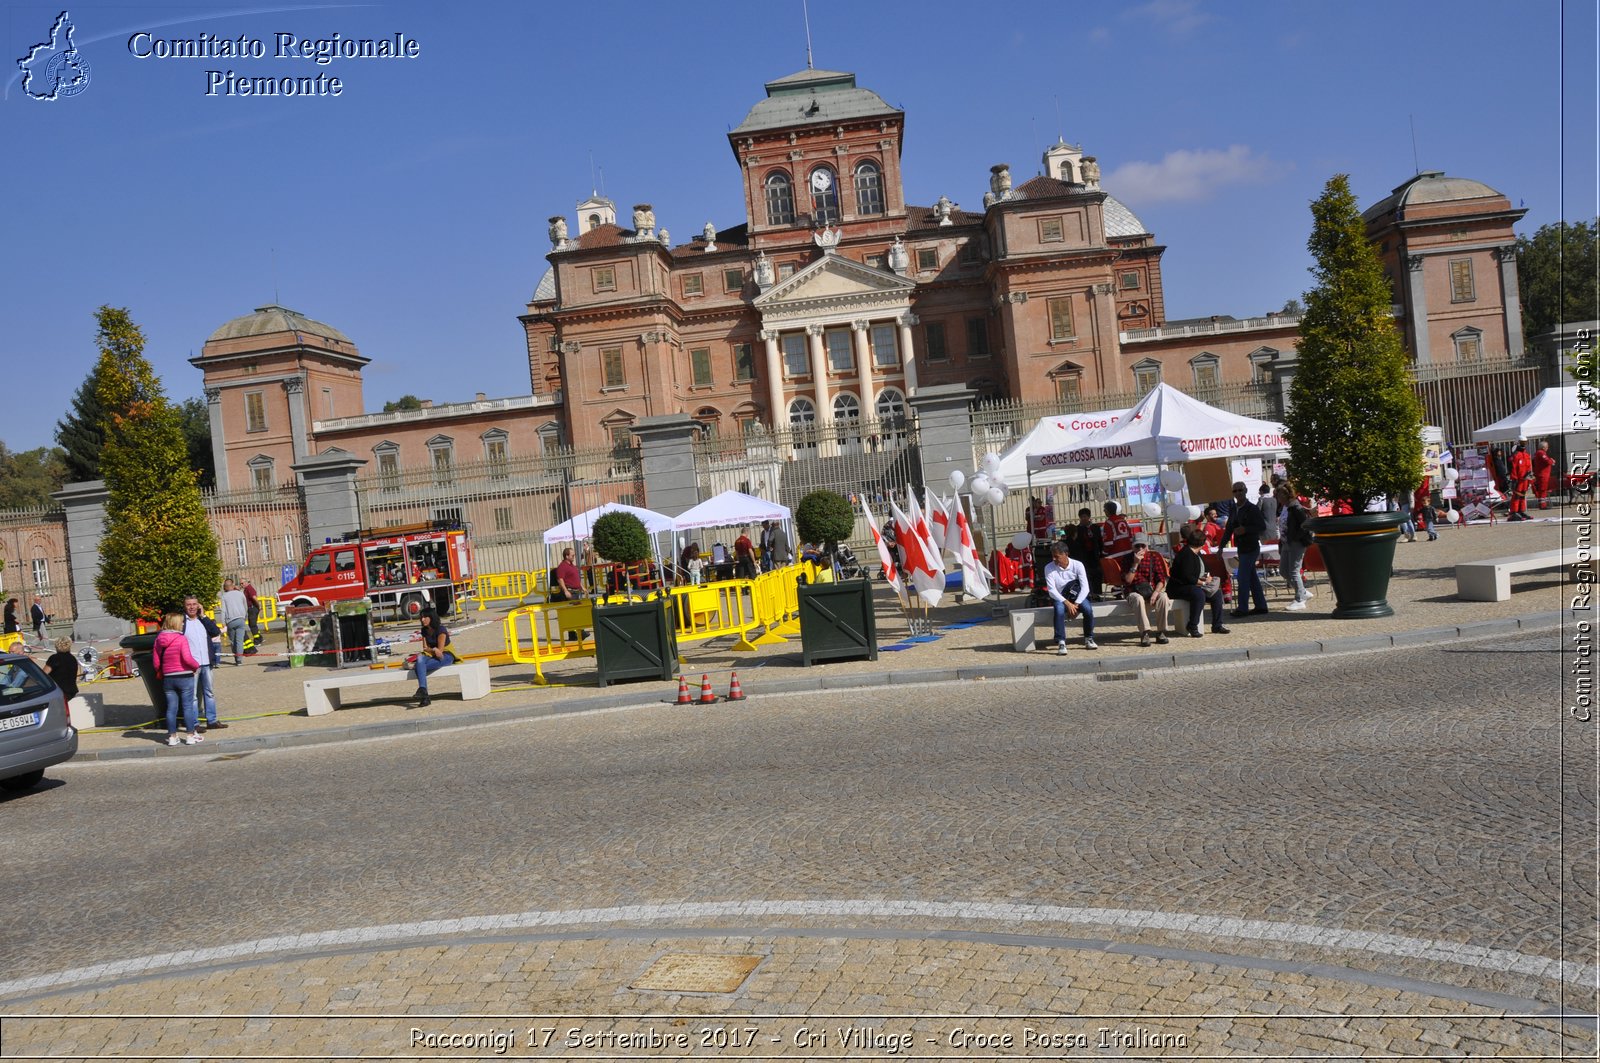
(85, 504)
(864, 364)
(1511, 298)
(666, 457)
(1417, 310)
(294, 388)
(328, 483)
(777, 415)
(219, 442)
(819, 373)
(944, 430)
(907, 355)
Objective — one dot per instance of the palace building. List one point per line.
(832, 299)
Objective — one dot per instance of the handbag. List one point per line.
(1143, 590)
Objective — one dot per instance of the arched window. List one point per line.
(845, 406)
(709, 418)
(780, 199)
(802, 413)
(869, 189)
(824, 184)
(891, 404)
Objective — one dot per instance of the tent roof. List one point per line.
(1052, 434)
(728, 509)
(1166, 427)
(1552, 412)
(582, 526)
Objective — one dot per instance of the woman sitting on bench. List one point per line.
(436, 653)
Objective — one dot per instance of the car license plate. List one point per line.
(27, 719)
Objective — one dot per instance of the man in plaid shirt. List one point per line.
(1147, 590)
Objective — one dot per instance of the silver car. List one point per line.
(34, 732)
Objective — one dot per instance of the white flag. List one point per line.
(890, 568)
(927, 581)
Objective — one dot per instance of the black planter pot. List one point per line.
(837, 622)
(139, 647)
(634, 640)
(1358, 550)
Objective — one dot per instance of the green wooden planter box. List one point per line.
(837, 622)
(635, 640)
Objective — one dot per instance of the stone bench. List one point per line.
(1490, 581)
(323, 695)
(1026, 621)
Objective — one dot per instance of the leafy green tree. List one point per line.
(1556, 274)
(1354, 423)
(27, 479)
(621, 537)
(824, 517)
(82, 432)
(404, 402)
(158, 544)
(195, 420)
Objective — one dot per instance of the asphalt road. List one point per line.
(1440, 793)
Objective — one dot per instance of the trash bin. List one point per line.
(139, 648)
(352, 633)
(837, 621)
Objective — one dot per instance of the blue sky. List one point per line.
(410, 211)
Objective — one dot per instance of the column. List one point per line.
(328, 484)
(219, 441)
(1417, 309)
(777, 415)
(944, 430)
(1511, 298)
(864, 365)
(907, 354)
(666, 460)
(294, 388)
(819, 373)
(85, 505)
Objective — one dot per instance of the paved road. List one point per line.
(1437, 795)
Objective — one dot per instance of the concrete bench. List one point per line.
(1025, 621)
(1490, 581)
(323, 695)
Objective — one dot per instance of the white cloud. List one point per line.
(1174, 16)
(1191, 175)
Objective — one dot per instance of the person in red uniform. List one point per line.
(1543, 466)
(1521, 470)
(1041, 515)
(1116, 536)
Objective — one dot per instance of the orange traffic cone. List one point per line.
(706, 696)
(683, 691)
(735, 691)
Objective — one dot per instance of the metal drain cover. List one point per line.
(678, 972)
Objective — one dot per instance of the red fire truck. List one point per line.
(402, 571)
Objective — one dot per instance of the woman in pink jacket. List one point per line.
(176, 666)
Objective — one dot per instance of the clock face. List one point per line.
(820, 181)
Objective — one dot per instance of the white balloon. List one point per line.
(1177, 513)
(979, 485)
(1450, 474)
(996, 496)
(990, 463)
(1022, 540)
(995, 481)
(1453, 516)
(1152, 509)
(1173, 479)
(1196, 512)
(957, 478)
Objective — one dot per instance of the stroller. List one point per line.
(845, 563)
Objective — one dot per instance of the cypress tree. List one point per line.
(158, 544)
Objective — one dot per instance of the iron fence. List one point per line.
(259, 532)
(1462, 397)
(33, 561)
(872, 459)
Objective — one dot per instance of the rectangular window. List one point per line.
(927, 258)
(876, 261)
(977, 337)
(1069, 387)
(502, 518)
(611, 366)
(744, 362)
(288, 547)
(1146, 377)
(621, 436)
(605, 278)
(255, 412)
(840, 359)
(969, 251)
(694, 284)
(1461, 280)
(1129, 281)
(733, 280)
(747, 425)
(700, 363)
(1050, 231)
(933, 341)
(1060, 318)
(494, 451)
(1206, 375)
(1469, 349)
(885, 346)
(266, 549)
(794, 354)
(442, 465)
(241, 551)
(41, 572)
(785, 270)
(261, 476)
(389, 469)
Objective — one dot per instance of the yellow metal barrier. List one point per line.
(269, 611)
(501, 587)
(547, 627)
(711, 610)
(8, 641)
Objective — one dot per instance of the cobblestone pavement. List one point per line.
(1367, 854)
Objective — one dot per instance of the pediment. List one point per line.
(837, 281)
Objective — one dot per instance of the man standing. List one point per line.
(744, 556)
(37, 616)
(1543, 466)
(1521, 470)
(234, 614)
(252, 611)
(1068, 588)
(205, 643)
(1083, 544)
(567, 586)
(1147, 590)
(782, 553)
(1116, 536)
(1245, 528)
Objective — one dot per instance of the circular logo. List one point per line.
(67, 74)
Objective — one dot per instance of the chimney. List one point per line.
(427, 404)
(481, 397)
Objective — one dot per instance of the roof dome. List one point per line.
(1431, 186)
(1119, 220)
(812, 97)
(273, 318)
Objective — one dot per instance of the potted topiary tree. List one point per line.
(1354, 422)
(631, 639)
(836, 619)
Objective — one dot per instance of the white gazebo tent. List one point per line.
(1552, 412)
(582, 527)
(1052, 435)
(733, 509)
(1167, 427)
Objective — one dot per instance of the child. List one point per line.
(697, 568)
